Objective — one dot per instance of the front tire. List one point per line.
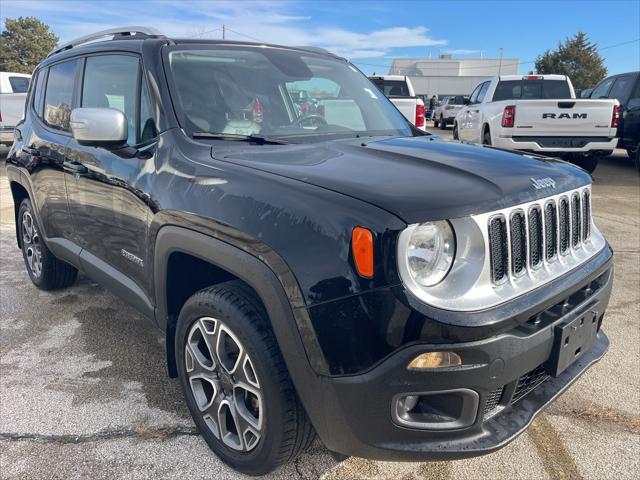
(235, 382)
(455, 132)
(45, 270)
(443, 123)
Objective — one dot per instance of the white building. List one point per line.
(448, 76)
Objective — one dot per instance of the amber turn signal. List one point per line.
(362, 245)
(431, 360)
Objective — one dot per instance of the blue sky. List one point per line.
(370, 33)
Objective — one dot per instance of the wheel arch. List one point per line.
(175, 245)
(18, 193)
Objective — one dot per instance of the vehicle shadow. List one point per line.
(617, 170)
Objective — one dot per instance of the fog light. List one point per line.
(430, 360)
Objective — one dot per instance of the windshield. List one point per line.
(532, 90)
(277, 93)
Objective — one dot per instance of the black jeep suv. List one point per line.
(328, 270)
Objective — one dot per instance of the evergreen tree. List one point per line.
(24, 43)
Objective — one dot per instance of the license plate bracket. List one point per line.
(571, 340)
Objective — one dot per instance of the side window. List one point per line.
(148, 130)
(38, 92)
(59, 96)
(483, 91)
(110, 81)
(19, 84)
(621, 88)
(474, 95)
(602, 89)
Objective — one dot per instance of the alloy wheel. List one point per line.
(224, 384)
(31, 244)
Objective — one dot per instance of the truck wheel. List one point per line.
(486, 138)
(455, 132)
(443, 124)
(45, 270)
(435, 123)
(588, 162)
(235, 382)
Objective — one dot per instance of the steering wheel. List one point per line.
(311, 116)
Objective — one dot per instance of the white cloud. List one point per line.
(268, 21)
(462, 51)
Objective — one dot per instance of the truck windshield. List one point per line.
(277, 93)
(532, 90)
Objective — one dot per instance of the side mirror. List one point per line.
(467, 101)
(99, 127)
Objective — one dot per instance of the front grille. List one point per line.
(518, 243)
(529, 381)
(498, 248)
(563, 224)
(535, 236)
(550, 230)
(551, 226)
(576, 212)
(493, 399)
(586, 215)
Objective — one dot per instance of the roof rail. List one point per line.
(118, 32)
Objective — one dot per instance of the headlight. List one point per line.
(430, 252)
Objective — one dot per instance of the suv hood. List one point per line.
(416, 178)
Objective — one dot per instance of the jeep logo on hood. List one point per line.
(546, 182)
(564, 115)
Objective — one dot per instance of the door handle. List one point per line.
(31, 151)
(74, 167)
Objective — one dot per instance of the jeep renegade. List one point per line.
(317, 264)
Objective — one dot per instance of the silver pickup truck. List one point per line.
(13, 93)
(399, 90)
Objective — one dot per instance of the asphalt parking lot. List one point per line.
(83, 390)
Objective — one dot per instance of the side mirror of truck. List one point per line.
(99, 127)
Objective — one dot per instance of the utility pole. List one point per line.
(224, 31)
(500, 64)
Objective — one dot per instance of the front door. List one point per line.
(105, 188)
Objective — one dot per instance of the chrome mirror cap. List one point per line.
(99, 126)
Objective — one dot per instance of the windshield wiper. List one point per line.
(259, 139)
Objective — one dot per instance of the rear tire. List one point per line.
(435, 123)
(235, 382)
(486, 138)
(443, 123)
(46, 271)
(455, 132)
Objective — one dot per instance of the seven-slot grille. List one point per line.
(518, 240)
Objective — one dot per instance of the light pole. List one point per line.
(500, 64)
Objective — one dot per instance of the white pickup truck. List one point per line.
(399, 90)
(539, 113)
(13, 93)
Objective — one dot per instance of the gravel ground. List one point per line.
(83, 391)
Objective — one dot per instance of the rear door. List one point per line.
(106, 188)
(43, 148)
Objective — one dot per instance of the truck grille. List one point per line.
(529, 381)
(493, 399)
(519, 239)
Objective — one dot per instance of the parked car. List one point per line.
(539, 113)
(625, 88)
(447, 110)
(13, 92)
(343, 274)
(399, 90)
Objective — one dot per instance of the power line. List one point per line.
(247, 36)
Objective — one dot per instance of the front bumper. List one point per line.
(586, 146)
(359, 408)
